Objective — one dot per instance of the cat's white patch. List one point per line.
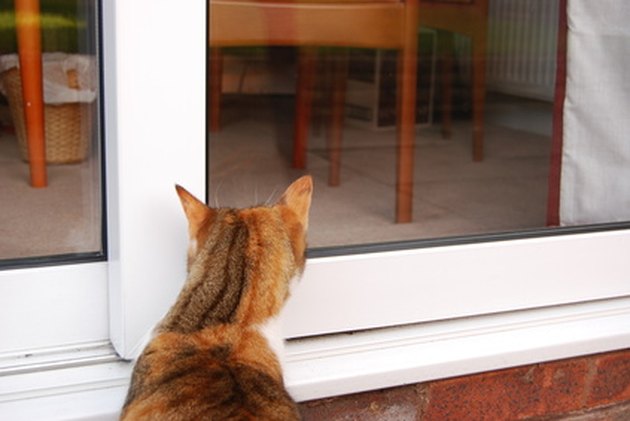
(192, 252)
(192, 247)
(271, 330)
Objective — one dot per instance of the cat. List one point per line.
(214, 355)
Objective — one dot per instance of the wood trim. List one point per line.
(555, 169)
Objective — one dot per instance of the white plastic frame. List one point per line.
(155, 137)
(158, 143)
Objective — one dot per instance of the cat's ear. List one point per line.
(297, 197)
(196, 211)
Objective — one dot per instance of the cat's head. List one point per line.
(266, 243)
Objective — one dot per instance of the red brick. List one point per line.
(518, 393)
(606, 413)
(491, 396)
(583, 387)
(611, 381)
(397, 404)
(563, 387)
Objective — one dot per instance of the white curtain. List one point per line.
(595, 179)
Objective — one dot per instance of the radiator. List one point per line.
(522, 38)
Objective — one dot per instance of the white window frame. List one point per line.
(430, 313)
(35, 302)
(60, 322)
(155, 128)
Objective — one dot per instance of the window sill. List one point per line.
(350, 363)
(81, 382)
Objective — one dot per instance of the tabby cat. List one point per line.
(214, 356)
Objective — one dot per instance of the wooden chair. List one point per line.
(387, 24)
(470, 18)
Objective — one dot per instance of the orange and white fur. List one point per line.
(214, 355)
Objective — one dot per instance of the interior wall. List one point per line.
(522, 40)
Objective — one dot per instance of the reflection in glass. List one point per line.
(61, 214)
(481, 162)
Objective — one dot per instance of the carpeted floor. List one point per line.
(249, 163)
(63, 218)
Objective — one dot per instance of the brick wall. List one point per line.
(595, 387)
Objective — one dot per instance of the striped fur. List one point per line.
(210, 358)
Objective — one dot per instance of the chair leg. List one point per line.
(320, 116)
(307, 62)
(407, 86)
(478, 92)
(215, 78)
(338, 97)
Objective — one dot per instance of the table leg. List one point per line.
(30, 54)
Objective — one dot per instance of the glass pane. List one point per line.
(50, 141)
(481, 161)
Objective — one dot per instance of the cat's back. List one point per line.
(215, 354)
(219, 374)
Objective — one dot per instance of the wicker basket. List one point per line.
(67, 126)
